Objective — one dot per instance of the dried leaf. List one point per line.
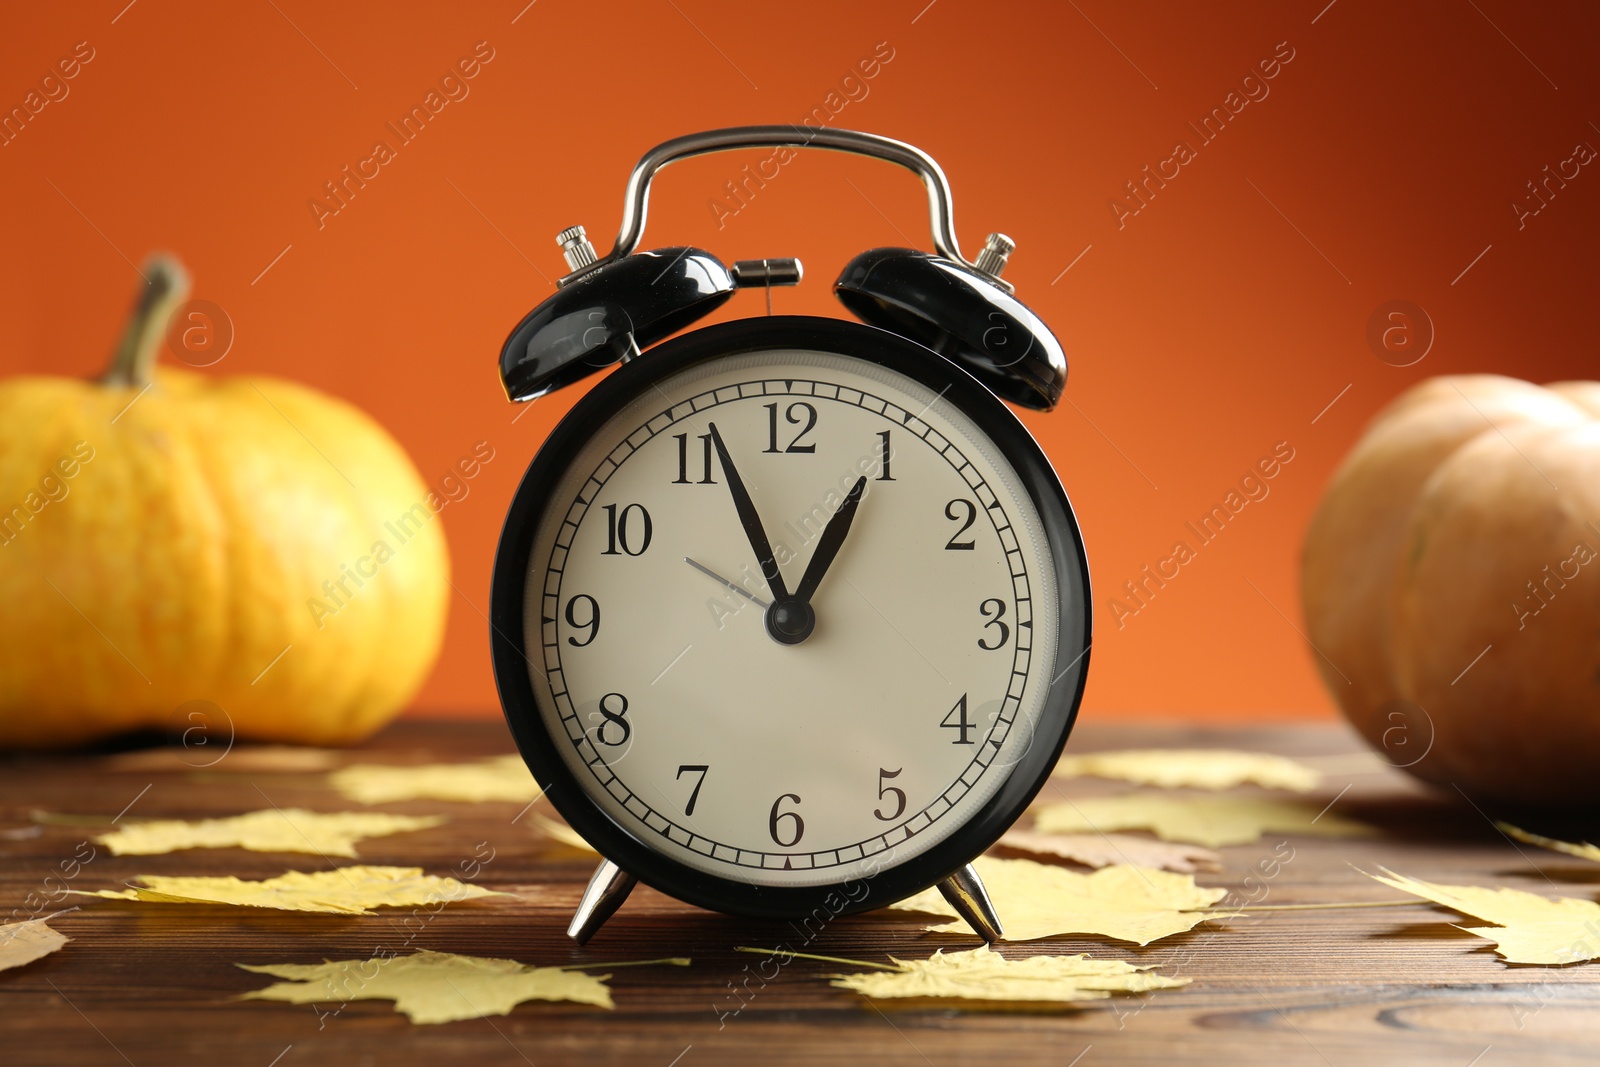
(1036, 900)
(1582, 851)
(983, 974)
(1198, 768)
(1212, 821)
(346, 890)
(431, 987)
(271, 830)
(502, 778)
(26, 941)
(1528, 928)
(563, 833)
(1105, 850)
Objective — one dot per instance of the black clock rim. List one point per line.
(509, 652)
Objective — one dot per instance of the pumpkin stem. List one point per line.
(166, 286)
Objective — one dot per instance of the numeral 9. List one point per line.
(592, 623)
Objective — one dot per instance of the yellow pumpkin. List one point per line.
(1451, 585)
(173, 538)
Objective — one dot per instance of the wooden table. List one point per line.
(156, 984)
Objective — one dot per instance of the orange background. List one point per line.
(1218, 321)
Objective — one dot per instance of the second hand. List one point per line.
(709, 573)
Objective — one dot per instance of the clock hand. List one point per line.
(741, 590)
(830, 542)
(749, 519)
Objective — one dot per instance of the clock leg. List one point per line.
(608, 887)
(964, 892)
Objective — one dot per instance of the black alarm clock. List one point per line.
(790, 615)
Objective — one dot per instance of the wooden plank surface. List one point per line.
(149, 984)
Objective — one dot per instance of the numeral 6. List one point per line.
(798, 826)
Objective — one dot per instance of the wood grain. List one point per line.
(152, 984)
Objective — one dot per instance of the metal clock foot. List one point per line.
(964, 891)
(608, 887)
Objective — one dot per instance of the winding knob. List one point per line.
(576, 248)
(997, 249)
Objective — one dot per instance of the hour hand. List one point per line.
(830, 542)
(748, 518)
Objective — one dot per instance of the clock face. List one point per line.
(887, 696)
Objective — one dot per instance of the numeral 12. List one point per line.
(795, 413)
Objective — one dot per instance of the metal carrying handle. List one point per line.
(636, 199)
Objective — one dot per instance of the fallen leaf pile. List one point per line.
(26, 941)
(271, 830)
(1200, 820)
(345, 890)
(1528, 928)
(1193, 768)
(1140, 889)
(983, 974)
(501, 778)
(1105, 850)
(431, 987)
(1036, 900)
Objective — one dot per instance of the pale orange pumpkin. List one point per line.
(1451, 585)
(173, 537)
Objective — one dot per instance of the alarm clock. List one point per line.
(790, 615)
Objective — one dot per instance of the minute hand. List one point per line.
(748, 518)
(830, 542)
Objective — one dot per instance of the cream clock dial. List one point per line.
(822, 723)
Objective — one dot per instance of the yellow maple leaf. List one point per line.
(1212, 821)
(1199, 768)
(1528, 928)
(26, 941)
(501, 778)
(1036, 900)
(1582, 851)
(984, 974)
(430, 987)
(563, 833)
(346, 890)
(1104, 850)
(270, 830)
